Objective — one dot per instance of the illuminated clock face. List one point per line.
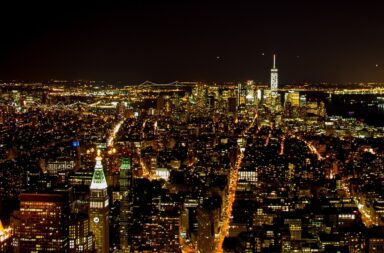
(96, 220)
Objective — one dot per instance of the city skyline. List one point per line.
(191, 167)
(194, 41)
(271, 139)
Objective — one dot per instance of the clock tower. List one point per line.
(99, 208)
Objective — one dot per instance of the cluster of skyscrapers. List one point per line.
(185, 167)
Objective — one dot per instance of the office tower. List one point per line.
(232, 107)
(211, 101)
(16, 96)
(250, 93)
(274, 75)
(80, 181)
(208, 220)
(188, 222)
(125, 202)
(295, 228)
(42, 223)
(80, 238)
(160, 104)
(161, 230)
(303, 100)
(152, 164)
(238, 93)
(293, 98)
(241, 94)
(291, 171)
(375, 239)
(120, 108)
(99, 208)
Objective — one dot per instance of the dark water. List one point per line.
(368, 108)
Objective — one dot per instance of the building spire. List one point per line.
(274, 61)
(98, 180)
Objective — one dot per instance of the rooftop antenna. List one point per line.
(274, 61)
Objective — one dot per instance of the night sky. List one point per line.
(193, 40)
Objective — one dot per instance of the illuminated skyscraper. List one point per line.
(232, 105)
(80, 238)
(42, 223)
(293, 98)
(208, 224)
(125, 203)
(239, 94)
(99, 208)
(250, 93)
(274, 75)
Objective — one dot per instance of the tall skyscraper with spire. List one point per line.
(125, 182)
(99, 208)
(274, 76)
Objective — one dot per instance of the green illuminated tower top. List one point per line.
(98, 180)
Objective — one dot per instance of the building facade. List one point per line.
(125, 203)
(274, 75)
(42, 223)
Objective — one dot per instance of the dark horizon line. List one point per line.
(112, 82)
